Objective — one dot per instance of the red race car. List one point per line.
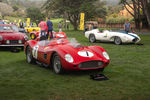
(34, 35)
(64, 55)
(11, 37)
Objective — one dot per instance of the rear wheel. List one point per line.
(117, 40)
(92, 38)
(57, 67)
(29, 56)
(32, 36)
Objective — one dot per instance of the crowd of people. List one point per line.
(47, 27)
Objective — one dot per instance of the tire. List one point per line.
(117, 40)
(29, 56)
(92, 38)
(57, 67)
(33, 36)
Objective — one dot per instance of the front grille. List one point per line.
(135, 40)
(90, 64)
(13, 41)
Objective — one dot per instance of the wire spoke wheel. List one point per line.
(117, 40)
(29, 57)
(92, 38)
(57, 67)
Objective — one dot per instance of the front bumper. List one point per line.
(86, 65)
(16, 45)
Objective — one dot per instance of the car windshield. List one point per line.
(72, 42)
(9, 28)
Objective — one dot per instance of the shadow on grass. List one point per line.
(11, 49)
(126, 44)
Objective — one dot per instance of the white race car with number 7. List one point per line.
(108, 36)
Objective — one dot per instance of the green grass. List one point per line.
(128, 73)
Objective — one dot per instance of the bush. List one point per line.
(117, 19)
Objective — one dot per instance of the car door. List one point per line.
(102, 36)
(44, 51)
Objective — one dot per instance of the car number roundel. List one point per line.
(35, 51)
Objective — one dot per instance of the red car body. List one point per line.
(83, 58)
(35, 35)
(11, 37)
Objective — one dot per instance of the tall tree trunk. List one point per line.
(75, 26)
(147, 13)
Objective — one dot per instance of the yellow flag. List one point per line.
(82, 21)
(28, 22)
(19, 22)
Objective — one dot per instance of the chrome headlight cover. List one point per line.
(19, 41)
(69, 58)
(7, 42)
(1, 38)
(105, 54)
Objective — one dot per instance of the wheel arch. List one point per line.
(51, 58)
(113, 37)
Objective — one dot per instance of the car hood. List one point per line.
(81, 53)
(12, 35)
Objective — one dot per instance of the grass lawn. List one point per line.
(128, 73)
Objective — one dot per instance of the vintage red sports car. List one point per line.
(11, 37)
(64, 55)
(35, 35)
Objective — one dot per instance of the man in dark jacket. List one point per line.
(50, 28)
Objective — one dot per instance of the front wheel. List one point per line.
(92, 38)
(117, 40)
(57, 67)
(29, 56)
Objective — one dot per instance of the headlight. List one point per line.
(26, 38)
(106, 55)
(20, 41)
(68, 58)
(1, 38)
(7, 41)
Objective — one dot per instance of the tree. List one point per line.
(35, 14)
(146, 9)
(71, 9)
(15, 8)
(138, 5)
(5, 9)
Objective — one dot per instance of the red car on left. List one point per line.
(11, 37)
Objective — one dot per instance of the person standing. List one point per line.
(50, 28)
(127, 27)
(21, 25)
(67, 26)
(43, 27)
(60, 26)
(1, 21)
